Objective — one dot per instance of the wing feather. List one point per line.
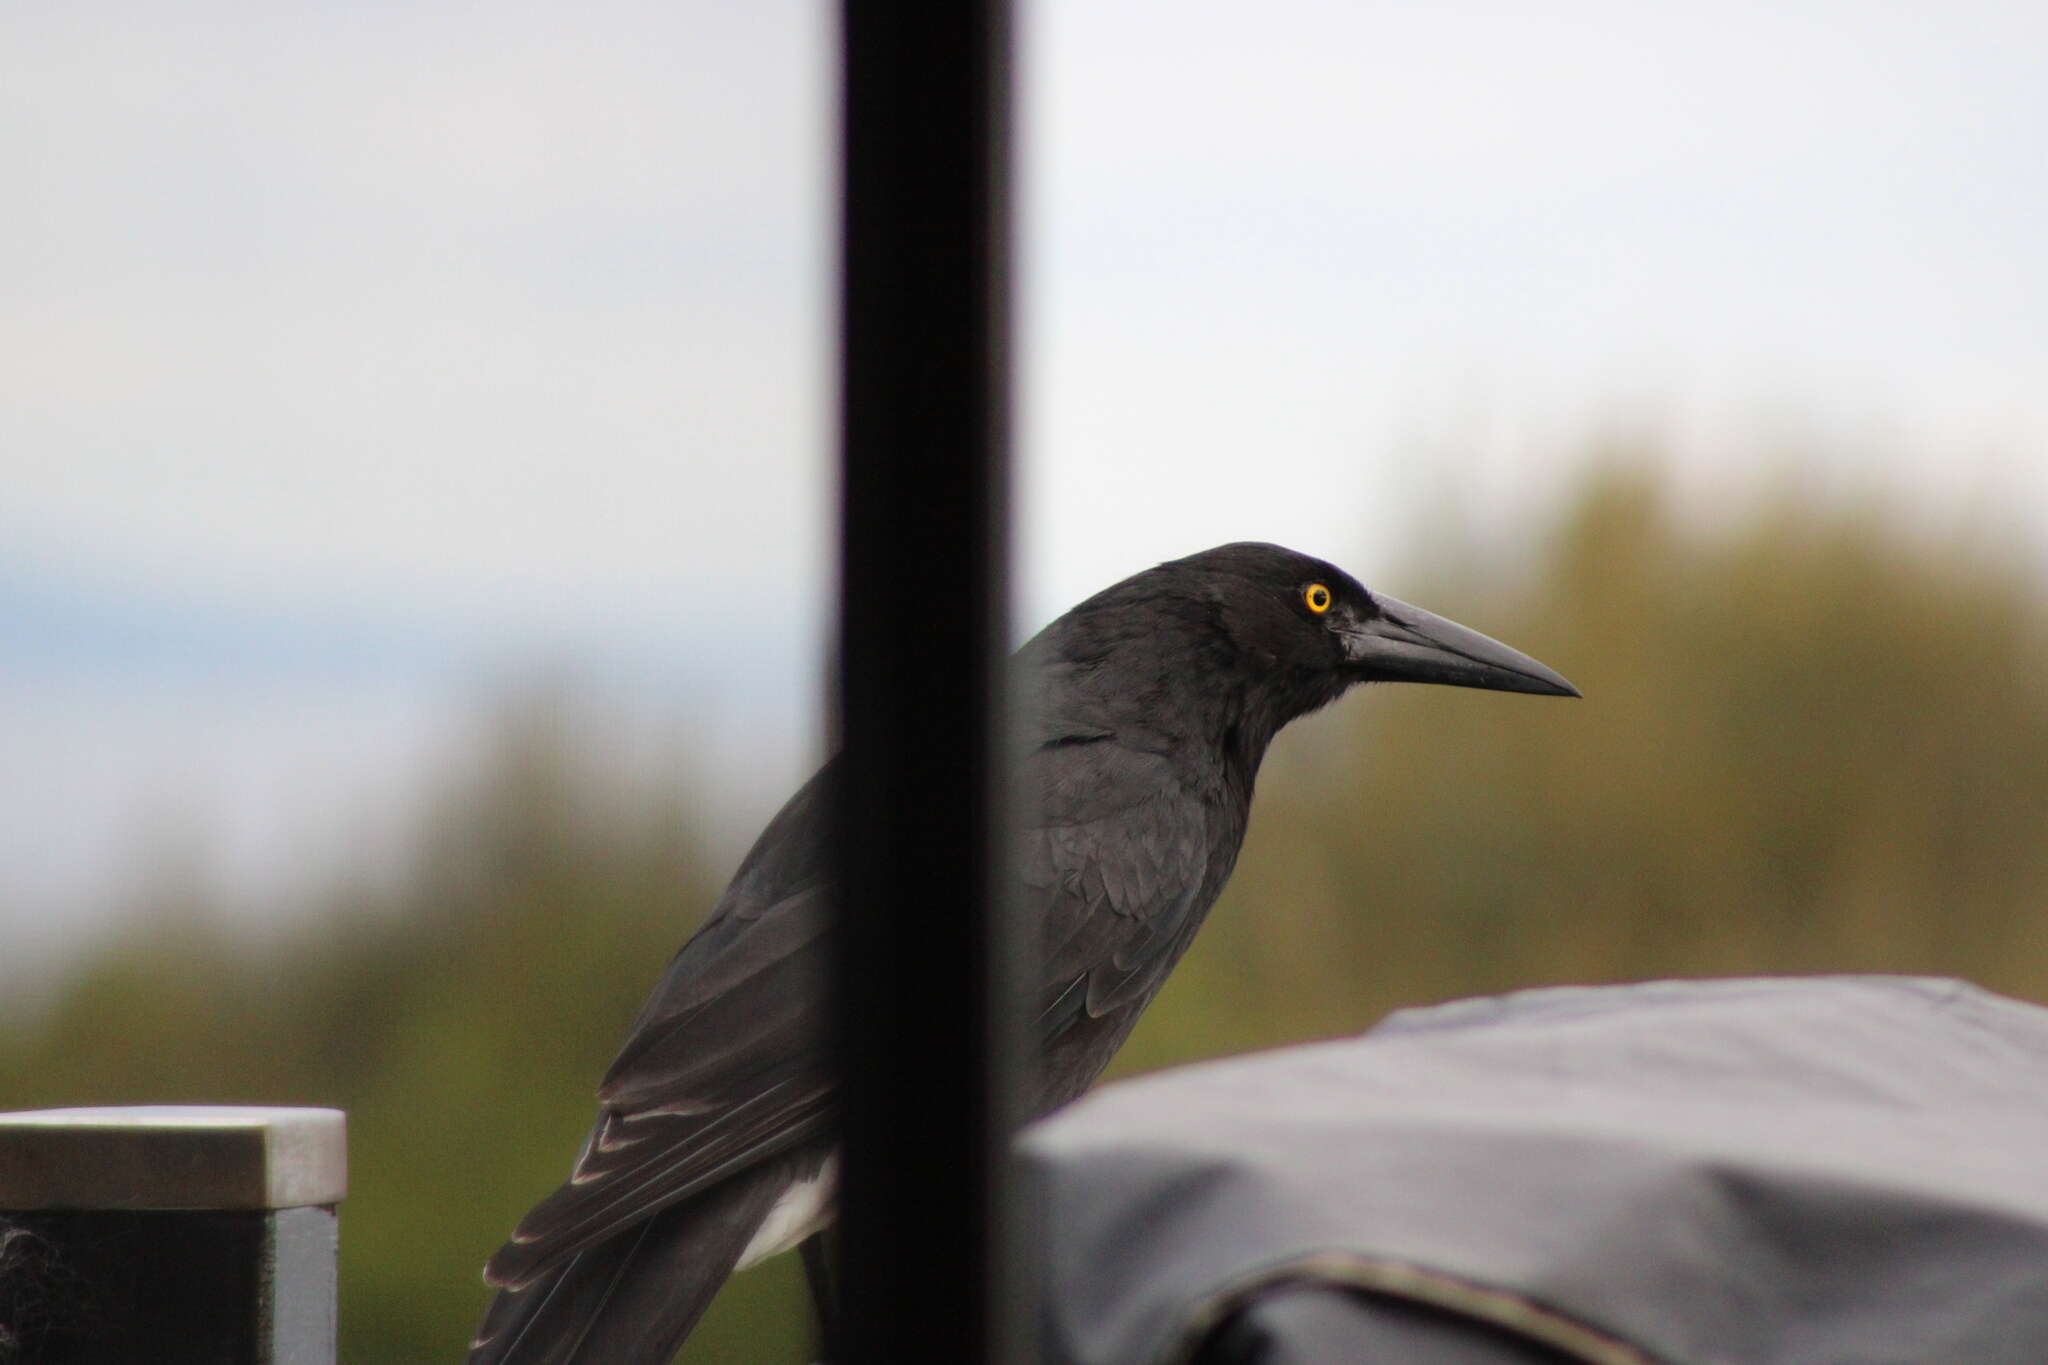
(1115, 864)
(725, 1068)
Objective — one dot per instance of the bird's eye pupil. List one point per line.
(1317, 596)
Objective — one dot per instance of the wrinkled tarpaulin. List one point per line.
(1765, 1171)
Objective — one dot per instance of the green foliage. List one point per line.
(1811, 741)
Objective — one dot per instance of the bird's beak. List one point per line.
(1408, 644)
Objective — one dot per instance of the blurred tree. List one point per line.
(1811, 741)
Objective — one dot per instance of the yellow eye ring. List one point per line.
(1316, 597)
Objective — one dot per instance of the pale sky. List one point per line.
(357, 360)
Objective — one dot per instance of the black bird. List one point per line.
(1145, 713)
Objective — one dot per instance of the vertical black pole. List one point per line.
(924, 397)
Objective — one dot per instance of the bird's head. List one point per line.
(1237, 641)
(1305, 631)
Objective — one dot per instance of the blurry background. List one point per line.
(415, 505)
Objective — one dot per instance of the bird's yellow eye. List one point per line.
(1317, 597)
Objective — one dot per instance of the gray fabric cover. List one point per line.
(1314, 1325)
(1764, 1171)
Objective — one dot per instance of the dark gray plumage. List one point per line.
(1145, 713)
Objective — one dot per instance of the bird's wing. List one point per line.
(725, 1068)
(637, 1295)
(1115, 864)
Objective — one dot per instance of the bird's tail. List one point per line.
(630, 1300)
